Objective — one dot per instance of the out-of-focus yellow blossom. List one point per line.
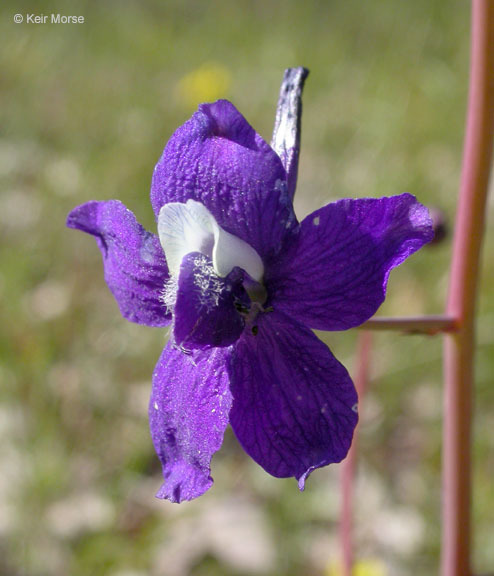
(366, 567)
(204, 84)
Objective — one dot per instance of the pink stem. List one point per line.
(459, 346)
(350, 464)
(418, 325)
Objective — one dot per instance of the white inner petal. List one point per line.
(190, 227)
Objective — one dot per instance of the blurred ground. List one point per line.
(85, 111)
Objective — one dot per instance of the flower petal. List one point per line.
(190, 227)
(182, 229)
(134, 262)
(218, 159)
(334, 275)
(205, 314)
(294, 406)
(188, 414)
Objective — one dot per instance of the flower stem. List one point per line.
(459, 346)
(430, 325)
(349, 466)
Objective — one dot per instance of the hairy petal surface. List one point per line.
(218, 159)
(334, 275)
(205, 314)
(294, 406)
(134, 262)
(188, 414)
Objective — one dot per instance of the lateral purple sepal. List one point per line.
(134, 263)
(294, 407)
(218, 159)
(333, 276)
(188, 414)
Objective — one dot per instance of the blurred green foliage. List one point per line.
(85, 111)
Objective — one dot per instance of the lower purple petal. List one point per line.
(134, 262)
(188, 413)
(204, 313)
(294, 406)
(334, 275)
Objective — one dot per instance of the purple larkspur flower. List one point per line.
(243, 284)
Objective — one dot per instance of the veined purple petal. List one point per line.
(188, 414)
(205, 312)
(334, 275)
(134, 262)
(294, 407)
(218, 159)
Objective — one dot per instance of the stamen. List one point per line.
(169, 293)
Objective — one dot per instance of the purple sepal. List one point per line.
(334, 274)
(134, 262)
(217, 158)
(295, 406)
(188, 414)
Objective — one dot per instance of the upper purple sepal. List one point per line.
(134, 263)
(333, 276)
(218, 159)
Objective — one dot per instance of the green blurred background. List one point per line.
(85, 112)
